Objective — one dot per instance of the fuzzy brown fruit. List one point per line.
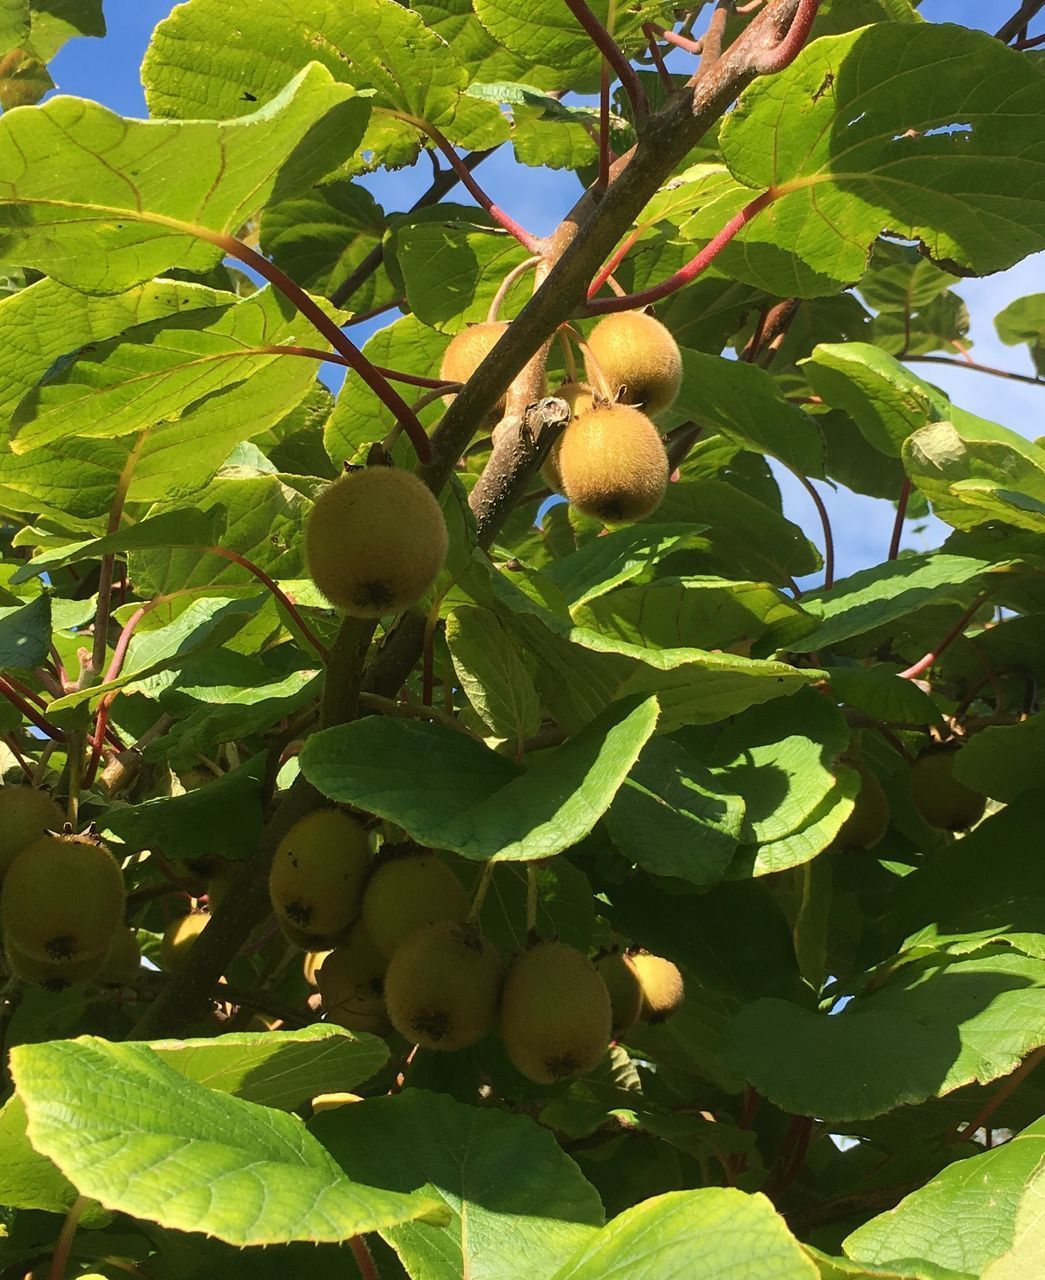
(869, 820)
(407, 891)
(375, 541)
(123, 961)
(351, 984)
(179, 937)
(466, 352)
(317, 876)
(939, 797)
(50, 974)
(25, 815)
(639, 359)
(63, 899)
(581, 399)
(442, 985)
(612, 464)
(662, 987)
(555, 1013)
(622, 982)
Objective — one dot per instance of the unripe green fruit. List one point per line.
(25, 815)
(406, 892)
(442, 986)
(50, 974)
(581, 399)
(375, 541)
(63, 899)
(662, 987)
(351, 984)
(317, 877)
(622, 982)
(179, 937)
(555, 1013)
(612, 464)
(466, 352)
(639, 359)
(123, 960)
(939, 797)
(869, 820)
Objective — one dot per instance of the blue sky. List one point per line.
(107, 70)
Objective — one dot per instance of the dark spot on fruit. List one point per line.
(434, 1025)
(300, 913)
(566, 1064)
(62, 947)
(373, 595)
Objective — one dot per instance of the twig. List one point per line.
(361, 317)
(998, 1097)
(658, 58)
(30, 712)
(12, 743)
(603, 180)
(825, 522)
(412, 711)
(277, 591)
(364, 1258)
(901, 515)
(924, 663)
(1015, 24)
(1029, 42)
(494, 310)
(64, 1243)
(980, 368)
(614, 262)
(673, 37)
(612, 53)
(711, 45)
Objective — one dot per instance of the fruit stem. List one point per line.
(278, 592)
(695, 267)
(592, 368)
(612, 53)
(364, 1258)
(481, 888)
(925, 662)
(901, 515)
(567, 355)
(494, 309)
(532, 900)
(64, 1243)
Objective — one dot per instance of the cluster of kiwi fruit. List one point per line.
(391, 944)
(53, 938)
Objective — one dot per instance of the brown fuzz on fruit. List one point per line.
(869, 820)
(25, 815)
(442, 986)
(406, 891)
(581, 399)
(317, 876)
(52, 975)
(555, 1013)
(639, 359)
(375, 541)
(179, 938)
(63, 899)
(466, 352)
(938, 796)
(612, 464)
(351, 984)
(123, 961)
(622, 982)
(662, 987)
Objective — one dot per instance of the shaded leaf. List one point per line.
(493, 674)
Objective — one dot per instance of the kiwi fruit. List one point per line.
(179, 937)
(442, 985)
(556, 1015)
(408, 889)
(466, 352)
(311, 964)
(938, 796)
(123, 961)
(869, 820)
(639, 359)
(63, 899)
(580, 398)
(317, 875)
(50, 974)
(25, 815)
(662, 987)
(375, 541)
(612, 464)
(351, 983)
(622, 982)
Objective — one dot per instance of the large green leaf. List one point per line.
(449, 791)
(28, 1180)
(513, 1196)
(964, 1218)
(619, 556)
(892, 127)
(14, 23)
(118, 201)
(1027, 1255)
(716, 1233)
(25, 633)
(1024, 321)
(1004, 761)
(493, 674)
(126, 1129)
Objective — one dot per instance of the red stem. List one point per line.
(791, 46)
(331, 357)
(968, 363)
(100, 724)
(120, 652)
(30, 712)
(673, 37)
(364, 1258)
(924, 663)
(825, 521)
(280, 595)
(695, 267)
(1031, 43)
(901, 515)
(360, 317)
(12, 743)
(650, 33)
(604, 127)
(611, 51)
(614, 262)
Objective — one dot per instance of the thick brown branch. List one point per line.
(1023, 15)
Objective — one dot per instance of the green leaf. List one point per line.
(617, 557)
(23, 80)
(867, 132)
(126, 1129)
(25, 633)
(1004, 761)
(28, 1180)
(14, 23)
(710, 1234)
(493, 674)
(511, 1192)
(883, 694)
(1027, 1255)
(900, 279)
(449, 791)
(118, 201)
(1023, 321)
(487, 60)
(673, 818)
(964, 1218)
(281, 1069)
(908, 1269)
(890, 591)
(746, 404)
(56, 21)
